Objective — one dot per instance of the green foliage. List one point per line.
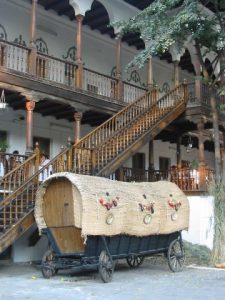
(173, 22)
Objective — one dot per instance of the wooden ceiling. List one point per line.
(47, 107)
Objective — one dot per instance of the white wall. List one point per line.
(99, 51)
(47, 127)
(21, 252)
(201, 221)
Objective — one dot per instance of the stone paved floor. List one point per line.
(150, 281)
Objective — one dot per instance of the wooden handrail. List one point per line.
(98, 73)
(14, 44)
(47, 56)
(130, 112)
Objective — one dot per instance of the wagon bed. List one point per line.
(100, 252)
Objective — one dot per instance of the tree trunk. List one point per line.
(216, 137)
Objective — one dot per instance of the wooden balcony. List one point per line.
(199, 100)
(52, 70)
(188, 179)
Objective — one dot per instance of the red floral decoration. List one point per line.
(108, 203)
(173, 203)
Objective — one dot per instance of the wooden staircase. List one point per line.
(99, 153)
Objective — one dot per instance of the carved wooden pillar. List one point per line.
(77, 126)
(179, 139)
(150, 74)
(33, 50)
(79, 62)
(30, 105)
(176, 73)
(119, 87)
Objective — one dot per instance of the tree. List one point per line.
(167, 23)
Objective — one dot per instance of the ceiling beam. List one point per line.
(53, 110)
(51, 4)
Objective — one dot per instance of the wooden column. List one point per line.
(201, 149)
(201, 156)
(151, 161)
(77, 126)
(119, 88)
(79, 62)
(150, 74)
(30, 105)
(179, 139)
(198, 82)
(33, 49)
(176, 73)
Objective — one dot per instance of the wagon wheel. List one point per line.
(135, 261)
(48, 264)
(106, 267)
(176, 256)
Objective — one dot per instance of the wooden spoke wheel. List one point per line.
(135, 261)
(48, 264)
(106, 267)
(176, 256)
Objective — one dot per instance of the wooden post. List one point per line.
(69, 155)
(79, 62)
(151, 161)
(30, 105)
(198, 82)
(119, 88)
(150, 74)
(185, 90)
(93, 161)
(33, 50)
(37, 159)
(179, 139)
(176, 73)
(77, 126)
(201, 156)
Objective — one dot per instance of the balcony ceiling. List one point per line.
(60, 111)
(98, 19)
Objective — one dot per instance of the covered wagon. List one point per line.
(92, 221)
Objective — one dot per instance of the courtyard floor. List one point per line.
(152, 280)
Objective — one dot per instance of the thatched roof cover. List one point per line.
(106, 207)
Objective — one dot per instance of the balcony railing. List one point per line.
(99, 84)
(132, 92)
(9, 161)
(15, 57)
(204, 95)
(187, 179)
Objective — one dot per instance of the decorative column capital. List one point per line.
(80, 6)
(30, 105)
(78, 116)
(79, 18)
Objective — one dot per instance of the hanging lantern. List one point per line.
(3, 104)
(189, 144)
